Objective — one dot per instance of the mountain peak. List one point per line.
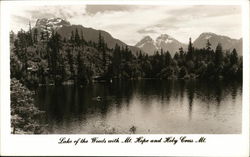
(227, 42)
(164, 41)
(207, 35)
(164, 37)
(144, 40)
(51, 22)
(147, 38)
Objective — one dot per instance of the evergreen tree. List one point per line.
(35, 36)
(71, 62)
(77, 38)
(116, 61)
(30, 35)
(82, 37)
(101, 48)
(42, 36)
(190, 53)
(234, 57)
(100, 42)
(218, 55)
(181, 52)
(72, 38)
(81, 79)
(168, 59)
(55, 60)
(46, 33)
(12, 34)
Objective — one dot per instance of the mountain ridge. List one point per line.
(228, 44)
(164, 41)
(64, 28)
(147, 44)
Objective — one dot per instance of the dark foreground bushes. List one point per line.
(25, 117)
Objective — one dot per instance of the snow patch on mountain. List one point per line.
(164, 41)
(144, 41)
(47, 25)
(51, 22)
(226, 42)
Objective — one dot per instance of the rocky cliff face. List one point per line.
(52, 23)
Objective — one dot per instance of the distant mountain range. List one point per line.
(226, 42)
(164, 41)
(168, 43)
(64, 28)
(147, 44)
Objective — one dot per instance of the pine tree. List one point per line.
(55, 59)
(101, 48)
(72, 38)
(190, 53)
(42, 35)
(81, 78)
(234, 57)
(116, 61)
(30, 35)
(168, 59)
(100, 42)
(181, 52)
(12, 34)
(46, 33)
(77, 37)
(35, 35)
(71, 62)
(82, 38)
(218, 55)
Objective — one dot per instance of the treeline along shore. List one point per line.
(50, 59)
(45, 58)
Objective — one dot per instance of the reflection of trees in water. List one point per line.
(64, 101)
(190, 95)
(122, 91)
(181, 88)
(214, 92)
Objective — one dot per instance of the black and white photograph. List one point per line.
(151, 73)
(106, 69)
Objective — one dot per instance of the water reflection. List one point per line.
(152, 106)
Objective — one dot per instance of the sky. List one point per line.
(130, 23)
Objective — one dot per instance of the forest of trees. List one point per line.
(48, 59)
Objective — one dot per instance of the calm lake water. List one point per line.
(148, 107)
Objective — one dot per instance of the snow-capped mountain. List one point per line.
(64, 28)
(164, 41)
(52, 23)
(168, 43)
(47, 25)
(226, 42)
(147, 44)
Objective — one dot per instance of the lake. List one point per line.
(143, 107)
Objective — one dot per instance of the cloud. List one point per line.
(130, 23)
(145, 31)
(32, 13)
(93, 9)
(202, 11)
(65, 12)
